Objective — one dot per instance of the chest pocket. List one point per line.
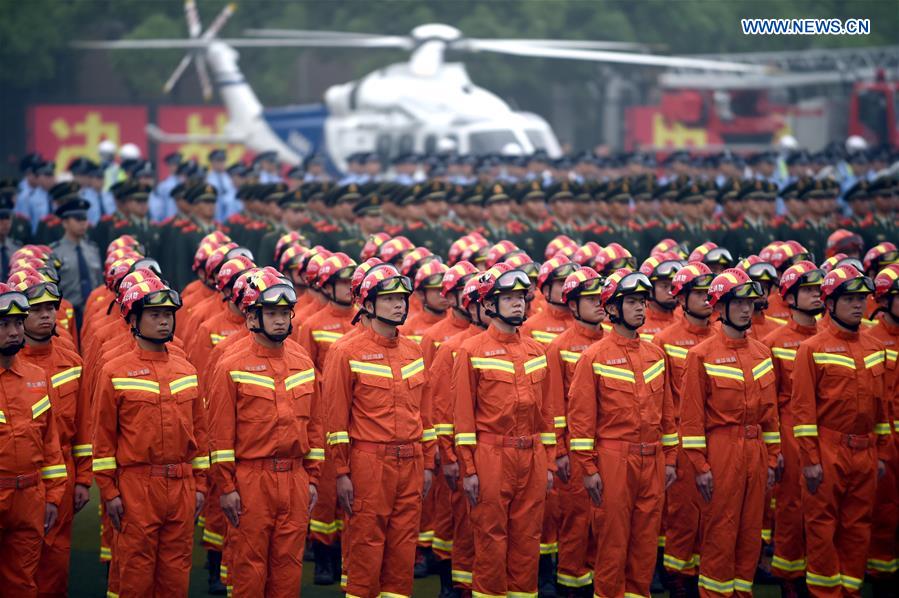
(729, 386)
(184, 391)
(495, 372)
(838, 374)
(413, 373)
(300, 386)
(256, 396)
(535, 369)
(139, 396)
(615, 378)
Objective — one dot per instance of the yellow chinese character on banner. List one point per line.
(200, 151)
(82, 138)
(677, 135)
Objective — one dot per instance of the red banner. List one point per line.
(194, 120)
(62, 132)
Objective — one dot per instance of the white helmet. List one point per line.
(788, 142)
(129, 151)
(106, 148)
(856, 143)
(512, 149)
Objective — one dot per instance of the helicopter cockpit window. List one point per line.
(431, 144)
(490, 142)
(406, 144)
(536, 138)
(384, 147)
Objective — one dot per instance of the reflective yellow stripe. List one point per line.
(543, 337)
(466, 439)
(426, 537)
(391, 595)
(575, 582)
(723, 587)
(875, 358)
(375, 369)
(785, 565)
(176, 386)
(825, 581)
(2, 417)
(771, 437)
(633, 595)
(428, 435)
(460, 576)
(677, 564)
(52, 472)
(766, 535)
(295, 380)
(40, 407)
(339, 438)
(104, 464)
(548, 438)
(444, 429)
(608, 371)
(135, 384)
(223, 456)
(653, 371)
(784, 354)
(106, 555)
(895, 423)
(882, 428)
(675, 351)
(762, 368)
(323, 527)
(669, 439)
(82, 450)
(742, 585)
(560, 422)
(582, 444)
(200, 462)
(569, 356)
(482, 595)
(441, 544)
(646, 336)
(213, 538)
(242, 377)
(532, 365)
(723, 371)
(892, 355)
(805, 430)
(693, 442)
(325, 336)
(489, 363)
(833, 359)
(315, 454)
(853, 583)
(884, 566)
(409, 370)
(64, 376)
(216, 338)
(549, 548)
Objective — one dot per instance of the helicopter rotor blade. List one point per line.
(203, 74)
(605, 56)
(194, 26)
(176, 74)
(573, 44)
(169, 44)
(308, 33)
(219, 21)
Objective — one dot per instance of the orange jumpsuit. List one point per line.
(203, 312)
(728, 419)
(32, 473)
(657, 320)
(321, 330)
(212, 332)
(380, 436)
(72, 412)
(839, 414)
(452, 534)
(150, 450)
(882, 556)
(621, 425)
(504, 434)
(267, 443)
(777, 308)
(195, 291)
(576, 546)
(788, 561)
(681, 518)
(763, 325)
(416, 325)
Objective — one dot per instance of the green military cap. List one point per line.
(644, 186)
(293, 199)
(752, 189)
(583, 192)
(203, 193)
(531, 191)
(473, 195)
(62, 192)
(882, 185)
(247, 191)
(494, 193)
(690, 193)
(349, 193)
(132, 190)
(730, 190)
(559, 191)
(433, 191)
(791, 191)
(370, 205)
(620, 190)
(816, 189)
(857, 191)
(599, 189)
(409, 196)
(273, 192)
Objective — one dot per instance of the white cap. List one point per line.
(106, 148)
(446, 145)
(512, 149)
(788, 142)
(129, 151)
(856, 143)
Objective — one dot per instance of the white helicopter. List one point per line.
(419, 106)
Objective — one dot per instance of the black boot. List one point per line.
(546, 577)
(445, 572)
(214, 565)
(884, 587)
(422, 562)
(324, 567)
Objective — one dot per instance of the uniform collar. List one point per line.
(232, 317)
(843, 334)
(381, 340)
(263, 351)
(15, 367)
(693, 328)
(623, 341)
(503, 337)
(37, 350)
(806, 330)
(893, 330)
(457, 322)
(590, 332)
(732, 343)
(151, 355)
(338, 311)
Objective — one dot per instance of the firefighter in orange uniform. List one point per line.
(581, 292)
(728, 419)
(150, 455)
(690, 287)
(32, 469)
(433, 304)
(840, 420)
(267, 443)
(317, 335)
(622, 435)
(662, 305)
(800, 290)
(882, 556)
(72, 411)
(766, 275)
(381, 439)
(504, 437)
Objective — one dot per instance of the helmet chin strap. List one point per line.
(516, 321)
(333, 297)
(726, 319)
(275, 338)
(43, 339)
(388, 321)
(668, 306)
(851, 327)
(620, 319)
(479, 321)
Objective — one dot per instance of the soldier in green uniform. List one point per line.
(369, 221)
(345, 233)
(731, 218)
(532, 214)
(884, 194)
(469, 207)
(812, 231)
(561, 221)
(690, 198)
(498, 224)
(8, 245)
(437, 231)
(20, 229)
(294, 218)
(260, 207)
(646, 214)
(620, 227)
(170, 230)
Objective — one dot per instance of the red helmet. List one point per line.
(363, 269)
(555, 268)
(887, 281)
(499, 251)
(767, 252)
(845, 280)
(476, 250)
(216, 238)
(291, 257)
(268, 288)
(586, 253)
(457, 248)
(415, 259)
(623, 282)
(116, 271)
(758, 270)
(614, 257)
(312, 265)
(126, 242)
(394, 250)
(152, 292)
(522, 261)
(470, 289)
(666, 245)
(46, 269)
(803, 273)
(559, 243)
(695, 276)
(844, 241)
(230, 269)
(383, 281)
(33, 286)
(120, 254)
(662, 266)
(430, 275)
(132, 278)
(456, 277)
(788, 253)
(287, 240)
(581, 283)
(241, 282)
(882, 254)
(216, 258)
(12, 302)
(501, 278)
(372, 244)
(710, 254)
(338, 266)
(201, 255)
(733, 283)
